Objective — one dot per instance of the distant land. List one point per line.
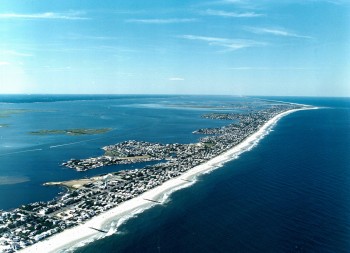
(76, 131)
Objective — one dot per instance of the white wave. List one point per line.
(79, 245)
(112, 229)
(132, 214)
(166, 195)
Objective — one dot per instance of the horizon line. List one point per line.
(162, 94)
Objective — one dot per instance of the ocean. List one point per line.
(290, 193)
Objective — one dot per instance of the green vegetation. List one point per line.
(77, 131)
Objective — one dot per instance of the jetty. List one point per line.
(154, 201)
(99, 230)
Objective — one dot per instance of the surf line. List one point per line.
(24, 151)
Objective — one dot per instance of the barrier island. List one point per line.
(83, 211)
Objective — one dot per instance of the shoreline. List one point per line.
(82, 234)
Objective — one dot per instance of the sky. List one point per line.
(227, 47)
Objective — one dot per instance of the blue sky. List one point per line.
(232, 47)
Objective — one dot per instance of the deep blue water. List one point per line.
(291, 193)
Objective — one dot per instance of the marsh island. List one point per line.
(76, 131)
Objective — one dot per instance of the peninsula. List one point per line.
(90, 203)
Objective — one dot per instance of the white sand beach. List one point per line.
(82, 234)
